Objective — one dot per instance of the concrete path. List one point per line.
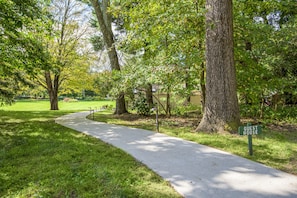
(193, 170)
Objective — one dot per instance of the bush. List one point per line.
(141, 106)
(283, 113)
(185, 110)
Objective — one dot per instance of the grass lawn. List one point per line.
(275, 147)
(39, 158)
(44, 105)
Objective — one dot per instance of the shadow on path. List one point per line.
(193, 170)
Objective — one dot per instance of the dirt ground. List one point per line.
(193, 121)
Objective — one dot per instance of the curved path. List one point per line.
(192, 169)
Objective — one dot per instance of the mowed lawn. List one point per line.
(44, 105)
(39, 158)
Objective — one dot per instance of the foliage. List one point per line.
(287, 114)
(103, 83)
(141, 105)
(42, 159)
(70, 60)
(164, 37)
(264, 37)
(19, 49)
(185, 110)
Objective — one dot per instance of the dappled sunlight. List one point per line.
(191, 168)
(32, 189)
(154, 143)
(250, 180)
(43, 159)
(41, 119)
(9, 119)
(13, 120)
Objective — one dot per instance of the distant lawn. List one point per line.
(39, 158)
(275, 147)
(41, 105)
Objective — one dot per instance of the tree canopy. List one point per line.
(163, 43)
(19, 50)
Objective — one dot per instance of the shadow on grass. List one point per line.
(276, 148)
(41, 158)
(191, 167)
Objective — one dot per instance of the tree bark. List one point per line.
(108, 37)
(168, 104)
(221, 111)
(52, 89)
(149, 95)
(120, 105)
(202, 86)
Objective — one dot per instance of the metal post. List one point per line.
(250, 142)
(157, 118)
(250, 139)
(92, 111)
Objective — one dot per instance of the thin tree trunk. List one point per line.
(168, 106)
(54, 101)
(221, 111)
(149, 95)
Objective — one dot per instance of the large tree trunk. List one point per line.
(52, 89)
(105, 26)
(120, 105)
(221, 111)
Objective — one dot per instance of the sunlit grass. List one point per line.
(273, 148)
(39, 158)
(42, 105)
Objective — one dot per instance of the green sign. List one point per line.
(250, 130)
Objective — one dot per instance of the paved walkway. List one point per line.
(193, 170)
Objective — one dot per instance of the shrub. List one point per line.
(141, 106)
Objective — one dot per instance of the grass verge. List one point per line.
(39, 158)
(275, 147)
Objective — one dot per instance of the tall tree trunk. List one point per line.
(52, 89)
(105, 27)
(221, 111)
(168, 106)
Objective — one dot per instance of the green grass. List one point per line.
(274, 147)
(39, 158)
(44, 105)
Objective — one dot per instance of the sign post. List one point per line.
(250, 130)
(250, 142)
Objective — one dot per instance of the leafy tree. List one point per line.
(79, 78)
(264, 32)
(103, 83)
(221, 105)
(19, 50)
(163, 36)
(63, 42)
